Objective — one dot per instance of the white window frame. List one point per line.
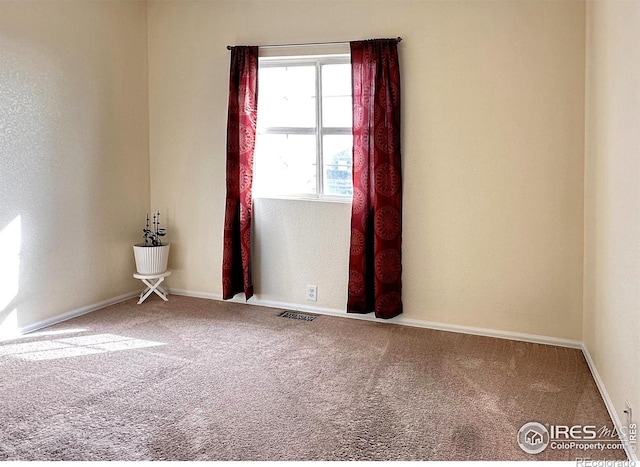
(319, 131)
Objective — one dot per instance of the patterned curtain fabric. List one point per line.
(241, 137)
(375, 260)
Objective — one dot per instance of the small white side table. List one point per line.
(152, 281)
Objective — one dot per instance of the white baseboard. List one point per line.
(397, 320)
(74, 313)
(609, 404)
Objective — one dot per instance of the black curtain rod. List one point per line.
(229, 47)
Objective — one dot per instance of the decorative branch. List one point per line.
(152, 237)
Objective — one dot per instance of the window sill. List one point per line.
(314, 199)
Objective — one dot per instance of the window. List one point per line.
(304, 143)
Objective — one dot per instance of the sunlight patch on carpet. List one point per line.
(73, 347)
(33, 335)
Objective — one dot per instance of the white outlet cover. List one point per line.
(312, 292)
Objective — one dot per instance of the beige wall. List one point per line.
(493, 146)
(74, 157)
(612, 199)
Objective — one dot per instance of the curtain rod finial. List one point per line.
(229, 47)
(399, 39)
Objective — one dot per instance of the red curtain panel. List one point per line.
(241, 137)
(375, 259)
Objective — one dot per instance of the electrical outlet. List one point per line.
(312, 293)
(628, 412)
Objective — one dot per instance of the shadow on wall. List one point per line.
(68, 166)
(32, 149)
(10, 244)
(28, 121)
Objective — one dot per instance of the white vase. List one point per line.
(151, 259)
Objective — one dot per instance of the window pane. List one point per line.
(336, 80)
(337, 111)
(337, 164)
(336, 95)
(287, 97)
(285, 164)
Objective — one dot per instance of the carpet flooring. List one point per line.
(195, 379)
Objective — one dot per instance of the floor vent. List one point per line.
(298, 315)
